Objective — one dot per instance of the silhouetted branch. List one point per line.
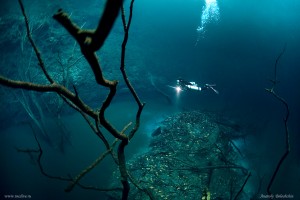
(238, 150)
(53, 87)
(85, 39)
(40, 154)
(287, 139)
(90, 167)
(275, 81)
(90, 41)
(37, 53)
(136, 184)
(122, 145)
(74, 181)
(122, 68)
(240, 191)
(285, 119)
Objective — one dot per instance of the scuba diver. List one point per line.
(183, 85)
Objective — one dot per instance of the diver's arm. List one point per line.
(211, 86)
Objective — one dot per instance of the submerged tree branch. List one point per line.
(287, 139)
(123, 144)
(37, 52)
(86, 40)
(275, 81)
(72, 181)
(285, 119)
(89, 168)
(90, 41)
(53, 87)
(241, 189)
(122, 68)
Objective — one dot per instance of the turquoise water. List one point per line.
(235, 47)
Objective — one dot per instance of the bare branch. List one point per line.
(37, 52)
(41, 167)
(240, 191)
(77, 178)
(287, 136)
(275, 81)
(122, 68)
(136, 184)
(53, 87)
(287, 139)
(90, 41)
(126, 127)
(83, 37)
(90, 167)
(102, 118)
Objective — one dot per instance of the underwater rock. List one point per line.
(156, 132)
(188, 158)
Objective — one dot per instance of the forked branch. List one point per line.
(37, 52)
(285, 119)
(90, 41)
(73, 181)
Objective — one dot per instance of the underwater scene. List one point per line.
(150, 100)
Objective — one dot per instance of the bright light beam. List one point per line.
(210, 13)
(178, 89)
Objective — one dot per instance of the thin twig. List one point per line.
(90, 41)
(285, 119)
(122, 145)
(287, 140)
(275, 81)
(89, 168)
(37, 52)
(53, 87)
(240, 191)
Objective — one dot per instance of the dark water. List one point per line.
(237, 52)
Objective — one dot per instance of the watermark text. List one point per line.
(17, 196)
(276, 196)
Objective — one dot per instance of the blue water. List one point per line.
(236, 49)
